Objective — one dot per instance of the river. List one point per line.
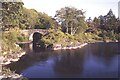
(95, 60)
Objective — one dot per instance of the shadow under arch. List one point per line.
(38, 44)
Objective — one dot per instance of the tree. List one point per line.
(102, 22)
(71, 19)
(30, 19)
(108, 22)
(15, 15)
(12, 12)
(44, 21)
(36, 20)
(89, 22)
(118, 25)
(111, 21)
(96, 22)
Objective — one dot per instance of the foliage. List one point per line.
(44, 21)
(36, 20)
(108, 26)
(22, 38)
(87, 37)
(109, 22)
(30, 18)
(9, 39)
(15, 15)
(96, 22)
(71, 22)
(58, 37)
(71, 19)
(12, 14)
(118, 37)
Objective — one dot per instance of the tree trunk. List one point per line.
(66, 27)
(71, 28)
(71, 31)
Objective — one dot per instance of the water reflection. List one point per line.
(104, 51)
(93, 60)
(70, 62)
(28, 60)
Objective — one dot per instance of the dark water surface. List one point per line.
(92, 61)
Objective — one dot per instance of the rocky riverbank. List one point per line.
(11, 58)
(6, 73)
(12, 76)
(59, 47)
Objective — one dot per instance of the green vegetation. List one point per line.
(58, 37)
(87, 37)
(36, 20)
(12, 14)
(67, 26)
(72, 20)
(15, 15)
(9, 39)
(107, 27)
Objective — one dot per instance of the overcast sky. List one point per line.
(92, 7)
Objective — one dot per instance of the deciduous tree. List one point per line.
(71, 20)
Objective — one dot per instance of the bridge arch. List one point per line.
(32, 35)
(38, 44)
(29, 33)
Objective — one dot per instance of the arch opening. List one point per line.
(38, 44)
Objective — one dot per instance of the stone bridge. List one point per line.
(30, 32)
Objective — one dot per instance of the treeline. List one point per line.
(108, 25)
(15, 15)
(68, 20)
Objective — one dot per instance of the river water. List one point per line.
(97, 60)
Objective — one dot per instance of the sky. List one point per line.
(93, 8)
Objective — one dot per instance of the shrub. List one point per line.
(22, 38)
(57, 37)
(9, 39)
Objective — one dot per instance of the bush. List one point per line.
(9, 39)
(22, 38)
(57, 37)
(87, 37)
(117, 37)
